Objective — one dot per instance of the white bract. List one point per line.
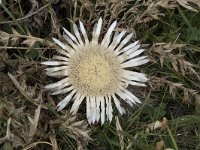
(97, 72)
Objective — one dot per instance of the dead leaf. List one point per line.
(34, 122)
(160, 145)
(14, 38)
(197, 99)
(30, 42)
(32, 145)
(53, 141)
(185, 4)
(120, 135)
(157, 125)
(78, 130)
(9, 136)
(4, 38)
(166, 4)
(25, 93)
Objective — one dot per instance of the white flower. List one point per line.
(96, 72)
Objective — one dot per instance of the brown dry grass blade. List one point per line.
(24, 93)
(32, 145)
(34, 122)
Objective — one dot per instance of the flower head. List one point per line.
(96, 72)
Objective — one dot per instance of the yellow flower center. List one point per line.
(94, 71)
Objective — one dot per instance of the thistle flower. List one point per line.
(97, 72)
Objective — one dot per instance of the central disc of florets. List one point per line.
(94, 70)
